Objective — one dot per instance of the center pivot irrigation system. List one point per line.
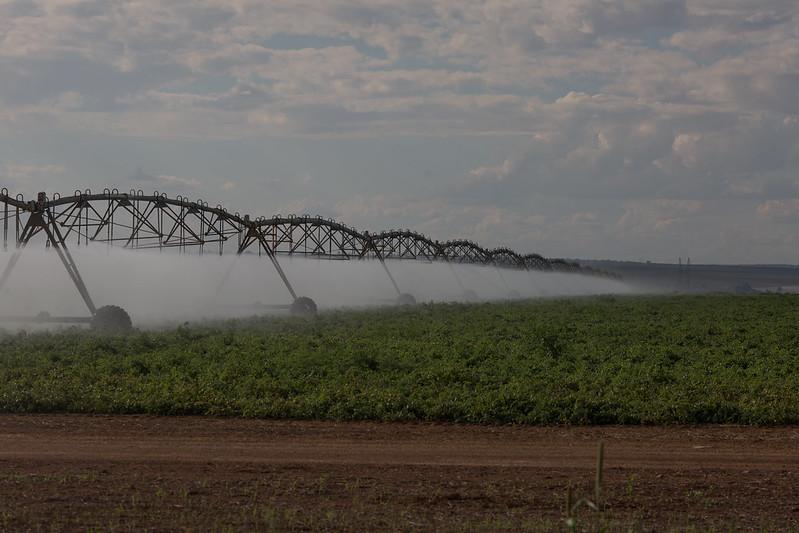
(138, 221)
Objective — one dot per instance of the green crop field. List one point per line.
(627, 360)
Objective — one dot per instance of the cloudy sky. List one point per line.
(629, 129)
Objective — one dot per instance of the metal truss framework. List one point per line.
(139, 221)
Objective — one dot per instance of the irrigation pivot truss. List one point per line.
(135, 220)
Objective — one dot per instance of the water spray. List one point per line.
(136, 221)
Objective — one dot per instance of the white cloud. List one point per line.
(191, 183)
(624, 104)
(172, 183)
(780, 209)
(493, 173)
(25, 177)
(658, 215)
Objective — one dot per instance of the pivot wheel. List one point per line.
(406, 299)
(111, 318)
(303, 306)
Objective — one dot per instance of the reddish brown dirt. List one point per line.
(68, 472)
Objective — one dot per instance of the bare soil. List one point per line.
(72, 472)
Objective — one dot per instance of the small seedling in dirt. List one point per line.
(491, 490)
(596, 504)
(630, 488)
(321, 484)
(352, 485)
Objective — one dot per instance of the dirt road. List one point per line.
(68, 472)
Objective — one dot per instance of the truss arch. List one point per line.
(137, 220)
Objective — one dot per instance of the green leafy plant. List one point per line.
(625, 360)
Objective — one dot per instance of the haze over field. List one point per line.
(168, 288)
(617, 129)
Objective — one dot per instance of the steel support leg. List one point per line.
(390, 276)
(504, 281)
(29, 231)
(225, 277)
(5, 224)
(480, 272)
(455, 275)
(384, 265)
(60, 245)
(468, 294)
(255, 235)
(36, 223)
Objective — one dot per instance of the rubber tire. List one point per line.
(406, 299)
(303, 306)
(112, 318)
(470, 296)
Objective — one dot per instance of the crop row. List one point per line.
(615, 360)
